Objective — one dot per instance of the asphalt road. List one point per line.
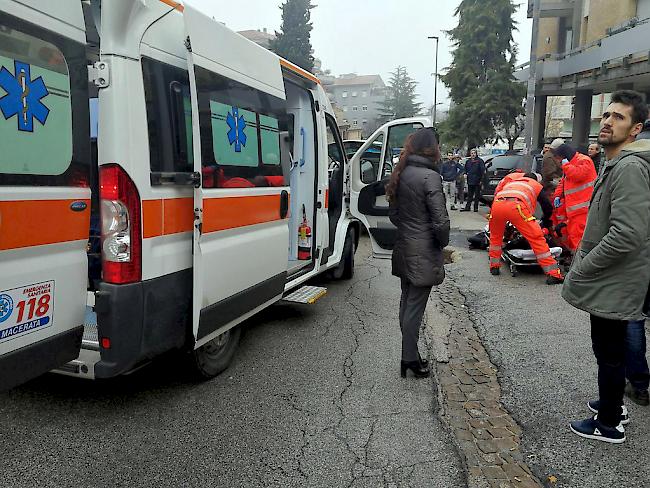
(313, 399)
(542, 348)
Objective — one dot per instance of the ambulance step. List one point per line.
(306, 294)
(90, 337)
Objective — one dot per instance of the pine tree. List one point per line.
(487, 99)
(293, 43)
(400, 99)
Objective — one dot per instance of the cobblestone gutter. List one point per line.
(469, 394)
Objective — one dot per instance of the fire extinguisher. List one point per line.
(304, 238)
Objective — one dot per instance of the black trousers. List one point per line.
(473, 194)
(411, 310)
(608, 342)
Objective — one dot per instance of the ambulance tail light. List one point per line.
(121, 226)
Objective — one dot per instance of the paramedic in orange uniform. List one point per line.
(573, 193)
(515, 200)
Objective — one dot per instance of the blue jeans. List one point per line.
(636, 365)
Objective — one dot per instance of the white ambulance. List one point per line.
(161, 180)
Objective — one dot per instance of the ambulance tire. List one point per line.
(345, 269)
(215, 356)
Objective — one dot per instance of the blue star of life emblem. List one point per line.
(236, 134)
(23, 98)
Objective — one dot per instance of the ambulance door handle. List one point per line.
(284, 204)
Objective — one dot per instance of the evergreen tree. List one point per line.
(487, 99)
(293, 43)
(400, 100)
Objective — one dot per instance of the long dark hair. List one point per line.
(422, 142)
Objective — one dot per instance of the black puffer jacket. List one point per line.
(420, 215)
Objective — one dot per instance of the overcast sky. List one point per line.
(370, 36)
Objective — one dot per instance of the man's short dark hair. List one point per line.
(635, 100)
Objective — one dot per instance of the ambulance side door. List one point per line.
(44, 195)
(241, 232)
(370, 170)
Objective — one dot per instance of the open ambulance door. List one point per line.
(241, 197)
(44, 194)
(370, 170)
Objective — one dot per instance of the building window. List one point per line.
(345, 108)
(355, 123)
(344, 94)
(364, 108)
(364, 122)
(354, 94)
(355, 109)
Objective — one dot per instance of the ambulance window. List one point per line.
(169, 117)
(335, 158)
(240, 134)
(36, 103)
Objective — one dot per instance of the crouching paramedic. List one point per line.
(573, 193)
(515, 200)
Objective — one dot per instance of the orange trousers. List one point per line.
(575, 230)
(517, 214)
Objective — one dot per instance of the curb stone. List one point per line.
(469, 393)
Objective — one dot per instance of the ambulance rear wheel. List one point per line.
(215, 356)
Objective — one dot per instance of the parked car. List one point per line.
(499, 166)
(351, 146)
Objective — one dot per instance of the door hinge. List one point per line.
(188, 44)
(99, 74)
(198, 219)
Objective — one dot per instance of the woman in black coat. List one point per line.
(418, 209)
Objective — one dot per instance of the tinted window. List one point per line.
(240, 133)
(44, 128)
(169, 116)
(506, 162)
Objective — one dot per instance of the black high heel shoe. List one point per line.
(423, 362)
(416, 367)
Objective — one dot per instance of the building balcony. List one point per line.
(621, 54)
(552, 8)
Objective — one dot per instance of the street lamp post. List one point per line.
(435, 83)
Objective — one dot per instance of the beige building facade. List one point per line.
(586, 49)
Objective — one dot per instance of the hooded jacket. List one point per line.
(610, 273)
(420, 215)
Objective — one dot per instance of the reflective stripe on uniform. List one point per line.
(495, 261)
(579, 188)
(545, 255)
(578, 206)
(560, 217)
(552, 267)
(495, 248)
(507, 192)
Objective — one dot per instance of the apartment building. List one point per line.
(358, 98)
(586, 49)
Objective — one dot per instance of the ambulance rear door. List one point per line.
(370, 170)
(44, 194)
(241, 200)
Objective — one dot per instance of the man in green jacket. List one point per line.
(610, 273)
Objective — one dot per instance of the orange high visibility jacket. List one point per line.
(577, 185)
(516, 185)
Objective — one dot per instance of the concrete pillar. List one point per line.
(576, 23)
(539, 121)
(582, 117)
